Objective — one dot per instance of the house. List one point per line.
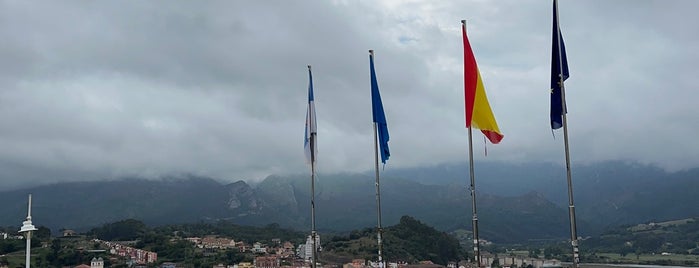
(83, 266)
(242, 247)
(267, 262)
(68, 232)
(245, 265)
(258, 248)
(356, 263)
(288, 246)
(217, 242)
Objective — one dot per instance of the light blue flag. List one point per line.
(309, 141)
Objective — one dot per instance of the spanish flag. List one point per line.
(478, 112)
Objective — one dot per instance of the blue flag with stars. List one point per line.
(559, 72)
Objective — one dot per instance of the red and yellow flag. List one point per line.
(478, 112)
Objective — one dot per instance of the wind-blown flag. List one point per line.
(309, 143)
(559, 67)
(378, 114)
(478, 112)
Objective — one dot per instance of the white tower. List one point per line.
(97, 263)
(28, 227)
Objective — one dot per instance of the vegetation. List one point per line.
(168, 241)
(657, 243)
(125, 230)
(676, 237)
(410, 241)
(661, 243)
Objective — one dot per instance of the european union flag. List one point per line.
(559, 68)
(378, 114)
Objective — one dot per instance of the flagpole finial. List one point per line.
(309, 66)
(371, 51)
(463, 22)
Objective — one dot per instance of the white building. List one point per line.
(307, 253)
(257, 247)
(97, 263)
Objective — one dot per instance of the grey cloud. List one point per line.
(131, 88)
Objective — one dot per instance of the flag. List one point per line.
(378, 114)
(478, 112)
(559, 67)
(309, 142)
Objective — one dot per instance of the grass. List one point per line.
(16, 259)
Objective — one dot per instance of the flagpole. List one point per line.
(313, 195)
(476, 245)
(472, 188)
(378, 188)
(571, 205)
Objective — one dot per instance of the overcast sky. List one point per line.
(106, 89)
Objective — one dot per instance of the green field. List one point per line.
(16, 259)
(674, 259)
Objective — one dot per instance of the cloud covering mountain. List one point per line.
(105, 90)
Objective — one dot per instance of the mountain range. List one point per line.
(516, 202)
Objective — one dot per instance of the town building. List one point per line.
(97, 263)
(259, 248)
(266, 262)
(217, 242)
(306, 250)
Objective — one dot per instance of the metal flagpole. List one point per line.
(476, 245)
(378, 187)
(376, 159)
(571, 206)
(378, 191)
(313, 195)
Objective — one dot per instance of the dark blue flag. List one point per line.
(378, 114)
(559, 67)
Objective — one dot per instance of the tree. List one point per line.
(43, 234)
(552, 252)
(649, 243)
(10, 245)
(623, 251)
(122, 230)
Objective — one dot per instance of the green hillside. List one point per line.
(673, 237)
(410, 240)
